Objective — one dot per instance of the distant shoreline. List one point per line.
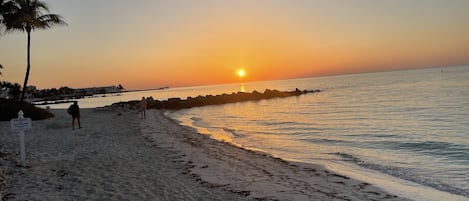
(71, 98)
(135, 90)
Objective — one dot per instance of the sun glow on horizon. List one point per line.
(241, 73)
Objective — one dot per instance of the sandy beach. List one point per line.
(118, 156)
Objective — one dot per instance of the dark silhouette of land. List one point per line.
(9, 110)
(178, 103)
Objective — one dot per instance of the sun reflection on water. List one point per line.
(241, 87)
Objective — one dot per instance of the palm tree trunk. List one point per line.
(25, 84)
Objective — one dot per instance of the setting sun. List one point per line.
(241, 73)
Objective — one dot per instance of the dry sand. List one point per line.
(117, 156)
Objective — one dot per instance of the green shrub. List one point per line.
(9, 109)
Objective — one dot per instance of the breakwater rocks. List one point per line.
(178, 103)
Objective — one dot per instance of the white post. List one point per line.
(21, 124)
(22, 149)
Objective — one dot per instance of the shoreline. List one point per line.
(255, 174)
(118, 156)
(391, 184)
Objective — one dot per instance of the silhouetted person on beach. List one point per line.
(142, 107)
(74, 110)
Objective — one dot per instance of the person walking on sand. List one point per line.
(142, 107)
(74, 110)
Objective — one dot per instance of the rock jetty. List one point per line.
(178, 103)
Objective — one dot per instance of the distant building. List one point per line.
(31, 88)
(98, 90)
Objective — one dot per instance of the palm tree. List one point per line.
(26, 16)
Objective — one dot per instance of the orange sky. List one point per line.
(183, 43)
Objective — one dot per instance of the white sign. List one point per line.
(20, 124)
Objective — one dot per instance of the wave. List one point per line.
(326, 141)
(233, 132)
(280, 123)
(196, 119)
(299, 128)
(433, 148)
(403, 173)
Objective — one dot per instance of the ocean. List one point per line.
(407, 131)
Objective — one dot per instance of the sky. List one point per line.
(144, 44)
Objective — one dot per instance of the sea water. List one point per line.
(411, 125)
(407, 131)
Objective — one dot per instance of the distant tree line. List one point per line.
(15, 89)
(54, 93)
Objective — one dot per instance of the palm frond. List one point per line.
(29, 15)
(32, 5)
(49, 20)
(6, 7)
